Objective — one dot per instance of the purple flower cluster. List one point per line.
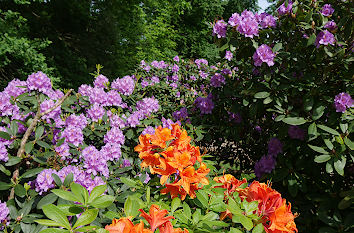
(201, 63)
(73, 135)
(148, 105)
(180, 114)
(295, 132)
(220, 28)
(217, 80)
(115, 135)
(96, 112)
(285, 10)
(205, 105)
(124, 85)
(45, 181)
(331, 25)
(148, 130)
(15, 88)
(4, 211)
(265, 165)
(325, 38)
(76, 121)
(39, 81)
(263, 54)
(228, 55)
(235, 117)
(47, 104)
(275, 147)
(266, 20)
(94, 161)
(3, 152)
(327, 10)
(167, 123)
(101, 81)
(111, 151)
(342, 101)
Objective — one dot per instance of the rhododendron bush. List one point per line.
(280, 99)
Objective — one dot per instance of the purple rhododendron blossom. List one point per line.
(331, 25)
(228, 55)
(295, 132)
(180, 114)
(96, 112)
(39, 81)
(114, 99)
(217, 80)
(94, 161)
(327, 10)
(15, 88)
(205, 105)
(267, 21)
(342, 101)
(76, 121)
(263, 54)
(6, 108)
(4, 211)
(265, 165)
(148, 130)
(45, 181)
(325, 38)
(176, 59)
(63, 150)
(148, 105)
(73, 135)
(98, 96)
(126, 163)
(124, 85)
(282, 10)
(248, 25)
(85, 90)
(3, 152)
(101, 81)
(111, 151)
(167, 123)
(114, 135)
(235, 20)
(274, 147)
(235, 117)
(219, 28)
(201, 63)
(46, 105)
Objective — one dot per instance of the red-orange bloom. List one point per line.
(156, 217)
(282, 220)
(123, 225)
(229, 182)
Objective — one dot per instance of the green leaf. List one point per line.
(32, 172)
(318, 149)
(57, 179)
(47, 222)
(12, 161)
(66, 195)
(4, 186)
(148, 193)
(80, 192)
(311, 40)
(328, 144)
(329, 167)
(5, 135)
(339, 165)
(261, 95)
(129, 134)
(294, 120)
(88, 229)
(48, 199)
(245, 221)
(103, 201)
(187, 210)
(96, 192)
(128, 181)
(70, 210)
(28, 147)
(39, 132)
(267, 100)
(176, 202)
(131, 206)
(20, 190)
(258, 229)
(86, 217)
(322, 158)
(54, 230)
(343, 127)
(312, 131)
(349, 143)
(318, 112)
(68, 179)
(202, 196)
(235, 230)
(43, 144)
(277, 47)
(233, 207)
(4, 170)
(328, 130)
(55, 214)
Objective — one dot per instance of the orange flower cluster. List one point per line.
(156, 218)
(170, 154)
(276, 214)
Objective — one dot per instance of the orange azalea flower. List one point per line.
(123, 225)
(156, 217)
(282, 220)
(230, 183)
(139, 228)
(225, 214)
(161, 136)
(174, 190)
(269, 199)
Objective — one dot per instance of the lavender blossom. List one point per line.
(114, 135)
(325, 38)
(265, 165)
(263, 54)
(39, 81)
(124, 85)
(148, 130)
(205, 105)
(101, 81)
(342, 101)
(327, 10)
(219, 28)
(274, 147)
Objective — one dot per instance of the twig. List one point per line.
(28, 133)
